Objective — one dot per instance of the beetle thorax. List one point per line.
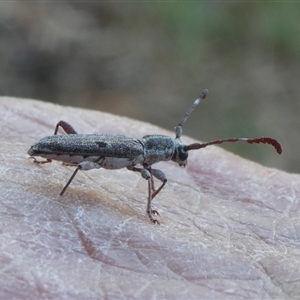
(157, 148)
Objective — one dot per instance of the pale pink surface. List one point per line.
(229, 227)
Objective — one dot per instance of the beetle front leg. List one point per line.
(149, 210)
(148, 173)
(66, 127)
(160, 176)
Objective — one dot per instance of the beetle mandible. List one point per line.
(109, 151)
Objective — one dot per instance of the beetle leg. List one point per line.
(152, 183)
(150, 212)
(85, 166)
(66, 127)
(146, 174)
(160, 176)
(69, 181)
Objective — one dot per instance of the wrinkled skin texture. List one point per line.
(229, 227)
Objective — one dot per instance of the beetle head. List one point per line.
(180, 154)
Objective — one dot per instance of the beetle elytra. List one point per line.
(109, 151)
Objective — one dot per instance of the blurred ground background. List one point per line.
(149, 61)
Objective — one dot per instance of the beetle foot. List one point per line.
(154, 221)
(155, 212)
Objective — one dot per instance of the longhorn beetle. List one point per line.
(110, 151)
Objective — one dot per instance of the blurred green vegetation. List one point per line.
(230, 27)
(149, 60)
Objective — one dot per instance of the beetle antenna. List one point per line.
(264, 140)
(178, 128)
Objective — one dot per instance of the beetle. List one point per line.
(110, 151)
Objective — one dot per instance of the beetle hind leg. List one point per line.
(66, 127)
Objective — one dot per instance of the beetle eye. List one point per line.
(182, 154)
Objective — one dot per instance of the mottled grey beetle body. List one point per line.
(119, 151)
(108, 151)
